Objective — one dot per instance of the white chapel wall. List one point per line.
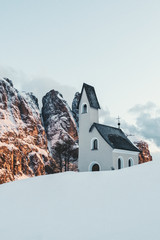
(104, 153)
(84, 125)
(102, 156)
(85, 122)
(125, 155)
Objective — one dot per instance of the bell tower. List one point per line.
(88, 114)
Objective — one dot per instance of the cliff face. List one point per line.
(144, 155)
(23, 143)
(75, 109)
(61, 130)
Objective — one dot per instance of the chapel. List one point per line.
(101, 147)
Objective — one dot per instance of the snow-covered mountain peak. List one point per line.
(60, 128)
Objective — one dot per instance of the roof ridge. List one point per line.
(107, 126)
(87, 85)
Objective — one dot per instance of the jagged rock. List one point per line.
(75, 109)
(61, 130)
(144, 155)
(9, 81)
(23, 142)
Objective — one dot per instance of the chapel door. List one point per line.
(95, 167)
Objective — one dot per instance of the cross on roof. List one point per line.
(119, 124)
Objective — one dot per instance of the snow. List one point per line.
(10, 146)
(60, 97)
(68, 108)
(2, 171)
(114, 205)
(34, 147)
(8, 124)
(4, 80)
(20, 177)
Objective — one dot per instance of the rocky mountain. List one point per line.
(144, 155)
(23, 142)
(61, 130)
(75, 110)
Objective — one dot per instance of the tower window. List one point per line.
(84, 108)
(94, 144)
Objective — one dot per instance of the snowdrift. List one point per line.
(113, 205)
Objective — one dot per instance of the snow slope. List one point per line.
(113, 205)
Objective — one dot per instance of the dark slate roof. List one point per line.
(115, 137)
(91, 95)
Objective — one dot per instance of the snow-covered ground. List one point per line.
(113, 205)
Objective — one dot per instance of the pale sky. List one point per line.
(112, 45)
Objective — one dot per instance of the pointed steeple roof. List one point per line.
(91, 95)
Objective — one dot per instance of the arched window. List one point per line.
(94, 144)
(120, 163)
(130, 162)
(84, 108)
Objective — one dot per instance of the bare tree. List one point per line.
(65, 152)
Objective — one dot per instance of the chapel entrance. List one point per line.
(95, 167)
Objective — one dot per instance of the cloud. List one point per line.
(149, 127)
(106, 118)
(146, 127)
(149, 106)
(147, 122)
(39, 85)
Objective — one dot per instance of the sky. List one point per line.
(112, 45)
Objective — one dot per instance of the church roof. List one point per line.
(115, 137)
(91, 95)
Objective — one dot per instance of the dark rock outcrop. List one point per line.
(61, 130)
(75, 109)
